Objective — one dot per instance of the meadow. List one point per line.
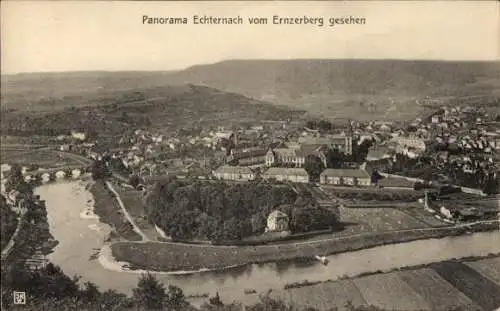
(44, 158)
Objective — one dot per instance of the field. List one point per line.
(373, 194)
(132, 199)
(419, 288)
(376, 215)
(323, 296)
(435, 290)
(39, 157)
(389, 291)
(423, 216)
(473, 284)
(489, 267)
(380, 219)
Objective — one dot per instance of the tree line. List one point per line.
(217, 211)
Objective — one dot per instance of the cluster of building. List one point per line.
(340, 177)
(473, 139)
(285, 160)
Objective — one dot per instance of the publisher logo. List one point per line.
(19, 298)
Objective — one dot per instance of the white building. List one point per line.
(345, 177)
(237, 173)
(277, 221)
(297, 175)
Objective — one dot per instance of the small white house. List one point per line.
(76, 173)
(78, 135)
(60, 174)
(445, 212)
(277, 221)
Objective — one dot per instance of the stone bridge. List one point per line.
(46, 175)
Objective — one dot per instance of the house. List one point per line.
(348, 177)
(298, 175)
(436, 119)
(342, 143)
(5, 168)
(277, 222)
(385, 128)
(60, 174)
(45, 177)
(290, 156)
(317, 151)
(238, 173)
(249, 156)
(65, 147)
(378, 153)
(78, 135)
(410, 142)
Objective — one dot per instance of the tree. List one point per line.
(100, 170)
(334, 158)
(216, 301)
(149, 293)
(376, 177)
(176, 299)
(111, 300)
(314, 167)
(90, 292)
(232, 229)
(491, 186)
(361, 151)
(134, 180)
(15, 181)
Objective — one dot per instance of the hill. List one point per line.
(167, 108)
(60, 90)
(358, 89)
(346, 88)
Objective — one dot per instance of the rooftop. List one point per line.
(312, 140)
(250, 152)
(278, 214)
(286, 152)
(358, 173)
(226, 169)
(286, 171)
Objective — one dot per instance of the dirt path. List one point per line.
(126, 213)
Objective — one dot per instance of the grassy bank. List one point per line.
(177, 257)
(378, 272)
(109, 212)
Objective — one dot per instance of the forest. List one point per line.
(216, 211)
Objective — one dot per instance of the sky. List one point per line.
(79, 36)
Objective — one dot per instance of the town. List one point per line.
(272, 165)
(456, 146)
(437, 173)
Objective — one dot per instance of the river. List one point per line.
(80, 238)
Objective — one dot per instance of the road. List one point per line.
(126, 213)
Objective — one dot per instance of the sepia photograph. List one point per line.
(250, 155)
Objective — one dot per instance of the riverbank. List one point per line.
(109, 211)
(405, 268)
(176, 257)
